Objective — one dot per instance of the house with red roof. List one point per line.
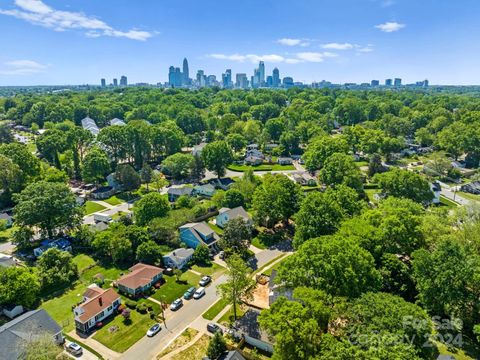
(141, 278)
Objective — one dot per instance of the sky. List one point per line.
(53, 42)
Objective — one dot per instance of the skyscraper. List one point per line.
(178, 77)
(103, 82)
(388, 82)
(171, 76)
(115, 82)
(397, 82)
(375, 83)
(275, 78)
(287, 82)
(269, 81)
(186, 74)
(261, 71)
(241, 81)
(123, 81)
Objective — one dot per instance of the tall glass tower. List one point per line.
(261, 70)
(186, 75)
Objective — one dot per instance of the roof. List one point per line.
(5, 216)
(117, 121)
(180, 191)
(248, 324)
(207, 187)
(92, 291)
(25, 328)
(97, 304)
(200, 228)
(178, 255)
(232, 355)
(238, 211)
(140, 275)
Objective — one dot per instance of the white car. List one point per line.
(177, 304)
(205, 280)
(199, 293)
(74, 349)
(154, 330)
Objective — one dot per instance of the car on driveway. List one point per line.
(205, 280)
(189, 293)
(177, 304)
(74, 349)
(213, 328)
(199, 293)
(154, 330)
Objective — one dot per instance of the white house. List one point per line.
(226, 214)
(436, 189)
(178, 258)
(97, 306)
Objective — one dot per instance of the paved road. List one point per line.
(450, 193)
(148, 348)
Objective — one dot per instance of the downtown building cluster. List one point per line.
(123, 82)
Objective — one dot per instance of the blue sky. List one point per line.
(80, 41)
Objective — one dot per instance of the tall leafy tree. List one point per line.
(149, 207)
(95, 166)
(341, 169)
(236, 237)
(56, 269)
(19, 286)
(216, 156)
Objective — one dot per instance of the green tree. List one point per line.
(217, 346)
(19, 286)
(78, 139)
(95, 166)
(375, 165)
(121, 250)
(201, 255)
(236, 237)
(146, 174)
(239, 286)
(276, 199)
(149, 252)
(236, 141)
(23, 158)
(178, 166)
(10, 177)
(50, 144)
(233, 198)
(39, 347)
(149, 207)
(333, 264)
(216, 156)
(321, 148)
(127, 177)
(406, 184)
(56, 269)
(50, 206)
(341, 169)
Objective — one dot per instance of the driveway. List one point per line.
(112, 210)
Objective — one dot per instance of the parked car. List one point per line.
(74, 349)
(213, 328)
(154, 330)
(177, 304)
(199, 293)
(189, 293)
(205, 280)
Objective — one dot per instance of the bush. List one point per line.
(141, 308)
(130, 304)
(153, 315)
(121, 308)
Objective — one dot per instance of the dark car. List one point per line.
(213, 328)
(189, 293)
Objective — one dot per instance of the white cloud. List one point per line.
(390, 26)
(338, 46)
(275, 58)
(22, 67)
(364, 49)
(293, 42)
(38, 13)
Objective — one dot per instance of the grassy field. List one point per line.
(214, 270)
(6, 235)
(92, 207)
(113, 200)
(215, 309)
(264, 167)
(215, 228)
(184, 338)
(469, 196)
(196, 351)
(83, 262)
(127, 332)
(447, 202)
(173, 290)
(227, 318)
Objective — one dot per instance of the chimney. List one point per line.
(100, 301)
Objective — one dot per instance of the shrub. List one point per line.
(130, 304)
(141, 308)
(153, 315)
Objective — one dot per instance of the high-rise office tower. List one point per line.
(388, 82)
(201, 78)
(227, 79)
(287, 82)
(397, 82)
(115, 82)
(425, 83)
(261, 70)
(275, 78)
(241, 81)
(375, 83)
(171, 76)
(256, 78)
(178, 77)
(123, 81)
(103, 82)
(186, 74)
(269, 81)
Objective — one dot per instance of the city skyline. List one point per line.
(342, 41)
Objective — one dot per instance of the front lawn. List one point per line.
(264, 167)
(114, 200)
(92, 207)
(215, 309)
(184, 338)
(119, 334)
(447, 202)
(227, 318)
(172, 290)
(469, 196)
(196, 351)
(215, 228)
(214, 270)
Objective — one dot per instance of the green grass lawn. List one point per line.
(113, 200)
(227, 318)
(92, 207)
(184, 338)
(214, 270)
(469, 351)
(110, 273)
(370, 193)
(258, 243)
(196, 351)
(215, 228)
(265, 239)
(127, 332)
(83, 262)
(171, 289)
(276, 266)
(215, 309)
(469, 196)
(447, 202)
(264, 167)
(6, 235)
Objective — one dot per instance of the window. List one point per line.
(99, 316)
(109, 308)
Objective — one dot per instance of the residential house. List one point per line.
(7, 218)
(472, 188)
(141, 278)
(116, 121)
(436, 189)
(232, 355)
(175, 193)
(15, 334)
(304, 179)
(226, 214)
(206, 190)
(249, 328)
(90, 125)
(222, 183)
(270, 146)
(98, 304)
(197, 149)
(195, 234)
(251, 147)
(285, 161)
(178, 258)
(253, 160)
(60, 244)
(277, 290)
